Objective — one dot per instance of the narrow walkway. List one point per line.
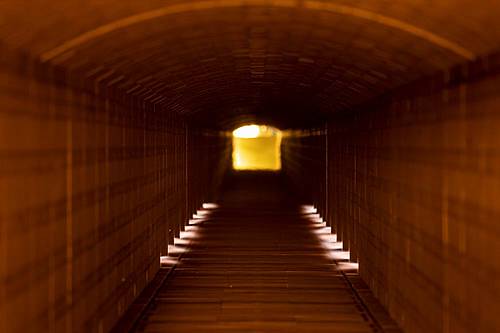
(255, 265)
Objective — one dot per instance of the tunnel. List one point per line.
(121, 211)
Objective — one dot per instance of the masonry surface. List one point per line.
(115, 122)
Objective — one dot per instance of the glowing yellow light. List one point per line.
(256, 147)
(247, 132)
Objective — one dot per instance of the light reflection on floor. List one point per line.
(328, 239)
(190, 233)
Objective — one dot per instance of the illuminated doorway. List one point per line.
(256, 147)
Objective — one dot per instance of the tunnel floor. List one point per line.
(254, 264)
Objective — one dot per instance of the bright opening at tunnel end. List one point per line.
(257, 147)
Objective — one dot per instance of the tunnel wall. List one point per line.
(93, 188)
(303, 155)
(208, 162)
(413, 190)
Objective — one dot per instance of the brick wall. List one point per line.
(209, 159)
(414, 195)
(303, 155)
(93, 186)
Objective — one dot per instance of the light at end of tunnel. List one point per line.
(257, 147)
(247, 132)
(210, 205)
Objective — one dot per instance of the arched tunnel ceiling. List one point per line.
(221, 62)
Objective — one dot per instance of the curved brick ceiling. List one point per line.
(221, 62)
